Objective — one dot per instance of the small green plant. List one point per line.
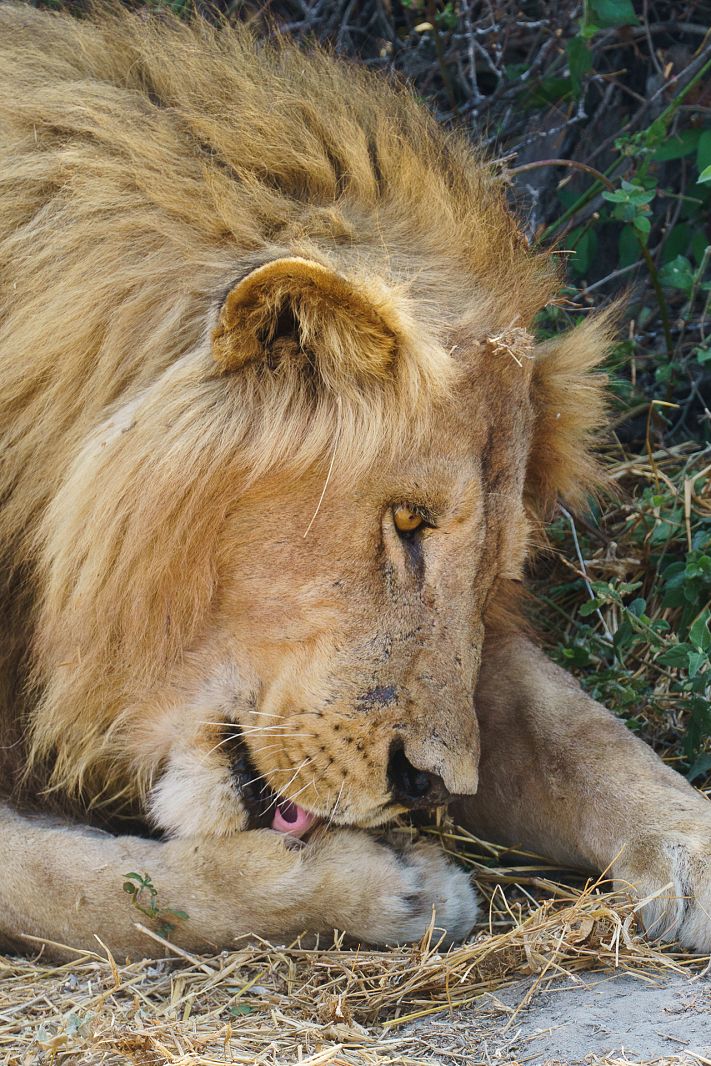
(144, 897)
(632, 204)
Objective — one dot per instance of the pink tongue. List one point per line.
(292, 819)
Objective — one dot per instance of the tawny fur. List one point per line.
(252, 300)
(147, 165)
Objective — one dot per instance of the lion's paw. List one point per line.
(393, 893)
(671, 876)
(429, 884)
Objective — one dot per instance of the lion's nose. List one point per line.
(411, 786)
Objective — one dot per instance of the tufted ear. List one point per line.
(295, 308)
(568, 398)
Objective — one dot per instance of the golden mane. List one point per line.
(151, 162)
(148, 165)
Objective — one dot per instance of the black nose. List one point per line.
(411, 787)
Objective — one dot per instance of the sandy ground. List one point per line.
(599, 1019)
(603, 1016)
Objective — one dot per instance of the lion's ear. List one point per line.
(569, 406)
(295, 307)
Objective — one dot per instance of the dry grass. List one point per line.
(326, 1003)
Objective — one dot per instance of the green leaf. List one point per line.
(678, 274)
(584, 245)
(588, 30)
(608, 13)
(703, 152)
(550, 91)
(579, 62)
(676, 656)
(624, 588)
(699, 244)
(677, 241)
(627, 247)
(643, 224)
(638, 607)
(699, 768)
(577, 655)
(704, 176)
(696, 661)
(699, 634)
(677, 146)
(664, 530)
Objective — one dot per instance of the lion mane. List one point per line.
(177, 199)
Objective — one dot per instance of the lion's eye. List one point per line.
(406, 520)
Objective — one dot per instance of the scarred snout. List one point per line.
(425, 712)
(436, 751)
(434, 759)
(425, 772)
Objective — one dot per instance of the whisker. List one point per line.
(280, 735)
(315, 786)
(262, 778)
(295, 774)
(332, 815)
(268, 731)
(309, 784)
(244, 730)
(225, 740)
(254, 781)
(282, 794)
(237, 725)
(288, 769)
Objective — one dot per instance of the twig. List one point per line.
(573, 163)
(583, 568)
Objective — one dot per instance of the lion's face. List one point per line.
(356, 648)
(345, 644)
(268, 573)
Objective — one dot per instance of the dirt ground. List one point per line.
(583, 1019)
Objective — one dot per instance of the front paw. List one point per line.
(670, 873)
(390, 894)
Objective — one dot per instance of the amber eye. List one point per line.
(406, 520)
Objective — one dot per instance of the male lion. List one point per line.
(275, 442)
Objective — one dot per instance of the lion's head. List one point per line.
(280, 437)
(340, 498)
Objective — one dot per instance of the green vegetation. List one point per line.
(144, 897)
